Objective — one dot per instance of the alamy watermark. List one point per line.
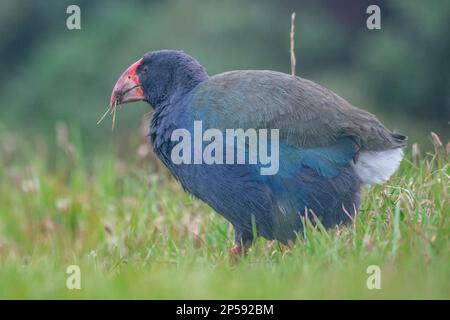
(73, 281)
(239, 146)
(373, 22)
(374, 280)
(73, 21)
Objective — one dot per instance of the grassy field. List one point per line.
(135, 234)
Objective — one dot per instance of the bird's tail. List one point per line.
(375, 167)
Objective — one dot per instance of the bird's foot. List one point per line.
(286, 249)
(236, 251)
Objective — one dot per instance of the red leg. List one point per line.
(236, 250)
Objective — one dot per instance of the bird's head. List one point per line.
(157, 77)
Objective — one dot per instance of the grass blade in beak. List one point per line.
(111, 110)
(104, 115)
(114, 117)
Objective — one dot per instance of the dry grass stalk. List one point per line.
(293, 59)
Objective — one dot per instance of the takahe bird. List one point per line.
(327, 147)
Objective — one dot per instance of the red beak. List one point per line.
(127, 88)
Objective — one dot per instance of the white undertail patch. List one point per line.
(375, 167)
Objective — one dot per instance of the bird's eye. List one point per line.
(145, 69)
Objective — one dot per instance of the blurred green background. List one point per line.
(50, 73)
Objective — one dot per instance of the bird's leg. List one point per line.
(286, 248)
(236, 250)
(242, 241)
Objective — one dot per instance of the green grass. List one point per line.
(136, 234)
